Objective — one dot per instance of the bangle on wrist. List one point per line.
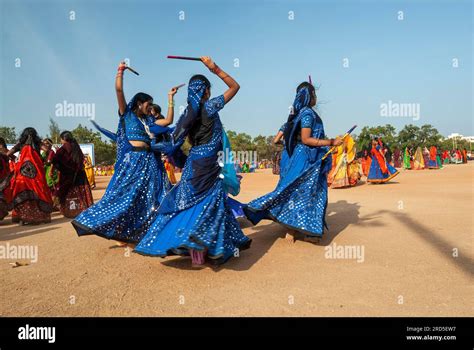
(216, 70)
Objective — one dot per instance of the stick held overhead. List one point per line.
(184, 58)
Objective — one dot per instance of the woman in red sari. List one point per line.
(5, 179)
(32, 202)
(74, 191)
(445, 157)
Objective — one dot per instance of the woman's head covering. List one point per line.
(196, 89)
(302, 100)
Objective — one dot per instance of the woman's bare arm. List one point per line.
(278, 137)
(226, 78)
(122, 104)
(313, 142)
(170, 115)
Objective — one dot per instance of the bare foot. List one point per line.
(121, 244)
(290, 237)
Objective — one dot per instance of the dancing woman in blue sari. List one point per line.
(195, 218)
(139, 183)
(300, 199)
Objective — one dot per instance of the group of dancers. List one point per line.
(41, 180)
(432, 158)
(194, 217)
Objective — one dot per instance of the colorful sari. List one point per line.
(170, 172)
(418, 160)
(89, 169)
(397, 159)
(195, 218)
(457, 157)
(438, 160)
(300, 198)
(426, 157)
(365, 164)
(433, 162)
(345, 172)
(380, 170)
(32, 202)
(464, 156)
(445, 157)
(135, 191)
(74, 191)
(52, 178)
(406, 159)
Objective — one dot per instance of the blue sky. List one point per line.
(403, 61)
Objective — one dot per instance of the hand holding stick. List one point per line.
(343, 137)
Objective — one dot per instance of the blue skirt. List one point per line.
(433, 164)
(130, 202)
(377, 176)
(300, 199)
(209, 224)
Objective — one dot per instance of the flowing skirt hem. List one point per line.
(183, 250)
(266, 215)
(83, 230)
(378, 181)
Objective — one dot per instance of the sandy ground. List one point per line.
(410, 229)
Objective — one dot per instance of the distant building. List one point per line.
(460, 137)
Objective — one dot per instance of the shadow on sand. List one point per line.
(340, 215)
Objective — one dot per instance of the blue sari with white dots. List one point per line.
(300, 199)
(195, 214)
(134, 193)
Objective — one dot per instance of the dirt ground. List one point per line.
(416, 233)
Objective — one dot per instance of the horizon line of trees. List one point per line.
(409, 136)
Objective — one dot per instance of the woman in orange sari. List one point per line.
(464, 156)
(365, 162)
(433, 162)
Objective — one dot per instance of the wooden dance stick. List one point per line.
(184, 58)
(179, 86)
(343, 137)
(132, 70)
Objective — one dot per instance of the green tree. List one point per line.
(260, 145)
(54, 131)
(105, 152)
(8, 133)
(429, 136)
(409, 136)
(386, 132)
